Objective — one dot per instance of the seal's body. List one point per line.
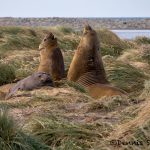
(87, 67)
(87, 62)
(34, 81)
(99, 90)
(51, 58)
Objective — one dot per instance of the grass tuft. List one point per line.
(11, 138)
(59, 134)
(108, 104)
(146, 90)
(126, 77)
(65, 30)
(18, 38)
(7, 73)
(111, 44)
(142, 40)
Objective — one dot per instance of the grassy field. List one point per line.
(66, 117)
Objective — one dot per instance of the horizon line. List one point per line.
(73, 17)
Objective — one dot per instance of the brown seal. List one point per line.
(87, 67)
(51, 59)
(99, 90)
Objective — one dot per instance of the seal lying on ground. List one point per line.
(51, 59)
(87, 67)
(34, 81)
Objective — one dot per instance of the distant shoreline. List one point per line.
(136, 23)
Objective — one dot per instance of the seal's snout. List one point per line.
(46, 79)
(50, 36)
(87, 28)
(48, 82)
(41, 47)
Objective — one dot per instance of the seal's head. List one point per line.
(44, 78)
(89, 40)
(48, 41)
(87, 28)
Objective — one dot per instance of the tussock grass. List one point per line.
(139, 140)
(12, 138)
(7, 73)
(25, 38)
(146, 90)
(19, 38)
(126, 77)
(66, 43)
(146, 54)
(65, 30)
(142, 40)
(11, 30)
(111, 44)
(141, 135)
(44, 98)
(59, 134)
(108, 104)
(29, 38)
(90, 122)
(9, 105)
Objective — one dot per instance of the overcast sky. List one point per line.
(74, 8)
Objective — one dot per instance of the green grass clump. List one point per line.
(141, 136)
(66, 30)
(68, 43)
(20, 42)
(63, 135)
(126, 77)
(11, 30)
(18, 38)
(7, 73)
(11, 138)
(142, 40)
(109, 50)
(111, 44)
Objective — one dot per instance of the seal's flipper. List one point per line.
(12, 92)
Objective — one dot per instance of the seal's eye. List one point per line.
(39, 76)
(44, 40)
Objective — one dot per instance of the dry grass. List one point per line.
(66, 117)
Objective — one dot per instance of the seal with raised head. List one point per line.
(31, 82)
(87, 67)
(51, 58)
